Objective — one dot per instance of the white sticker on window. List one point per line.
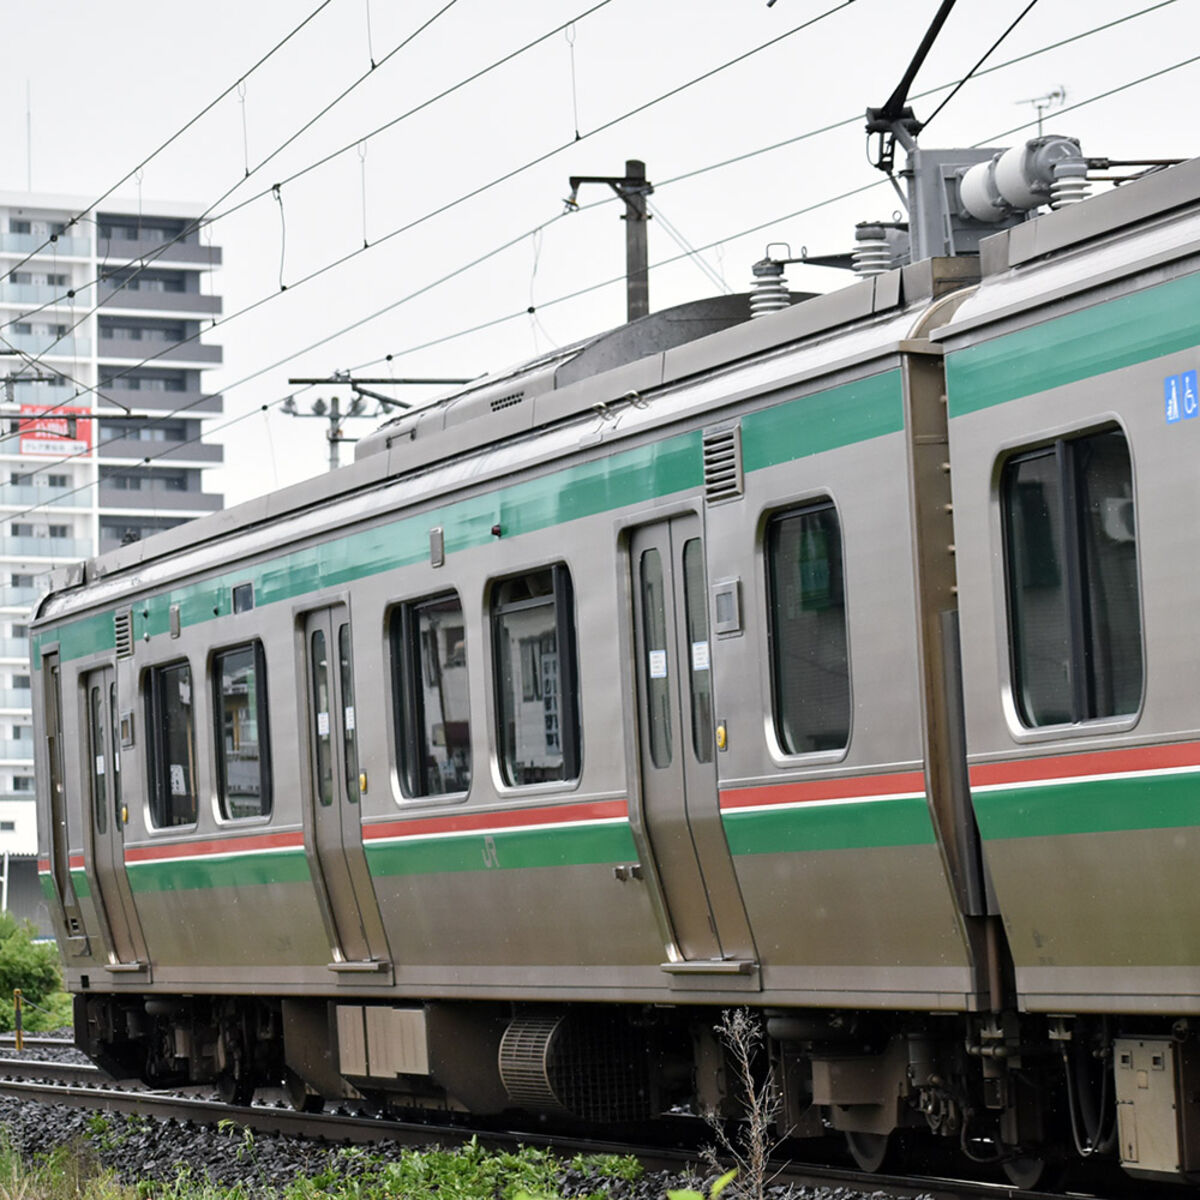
(99, 765)
(699, 656)
(322, 724)
(658, 664)
(349, 716)
(178, 780)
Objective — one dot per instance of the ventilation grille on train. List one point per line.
(123, 633)
(723, 464)
(507, 401)
(593, 1067)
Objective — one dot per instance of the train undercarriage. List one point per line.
(1027, 1094)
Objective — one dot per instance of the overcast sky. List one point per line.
(110, 82)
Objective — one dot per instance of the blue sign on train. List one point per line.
(1181, 397)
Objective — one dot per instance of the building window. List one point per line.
(20, 631)
(20, 681)
(243, 755)
(537, 705)
(21, 529)
(19, 580)
(810, 663)
(7, 826)
(58, 481)
(431, 701)
(1074, 613)
(60, 531)
(22, 783)
(171, 746)
(19, 227)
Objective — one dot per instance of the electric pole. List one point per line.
(633, 187)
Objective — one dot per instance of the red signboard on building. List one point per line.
(53, 430)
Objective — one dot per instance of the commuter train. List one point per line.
(836, 663)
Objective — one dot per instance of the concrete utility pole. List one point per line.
(633, 187)
(332, 412)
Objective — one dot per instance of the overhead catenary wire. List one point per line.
(504, 177)
(237, 83)
(556, 300)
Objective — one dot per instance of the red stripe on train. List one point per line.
(557, 814)
(232, 845)
(848, 787)
(1097, 762)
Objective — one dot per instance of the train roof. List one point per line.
(665, 349)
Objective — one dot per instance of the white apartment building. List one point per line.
(101, 363)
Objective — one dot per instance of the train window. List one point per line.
(96, 745)
(1071, 554)
(810, 666)
(430, 664)
(537, 707)
(243, 752)
(321, 706)
(349, 730)
(654, 631)
(171, 722)
(699, 676)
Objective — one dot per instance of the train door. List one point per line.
(106, 821)
(680, 813)
(336, 822)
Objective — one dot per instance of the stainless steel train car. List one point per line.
(836, 663)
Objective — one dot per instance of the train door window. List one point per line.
(243, 750)
(349, 733)
(115, 742)
(97, 764)
(658, 684)
(321, 700)
(432, 703)
(537, 706)
(699, 674)
(810, 664)
(171, 722)
(1072, 581)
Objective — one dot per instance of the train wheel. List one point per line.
(1029, 1171)
(300, 1097)
(869, 1150)
(235, 1089)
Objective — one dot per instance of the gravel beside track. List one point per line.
(139, 1149)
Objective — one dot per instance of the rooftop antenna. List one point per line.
(1042, 104)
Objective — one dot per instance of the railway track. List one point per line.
(86, 1087)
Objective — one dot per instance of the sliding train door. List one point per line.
(106, 823)
(335, 825)
(679, 811)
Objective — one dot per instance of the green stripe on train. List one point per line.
(876, 824)
(1131, 329)
(1090, 806)
(837, 417)
(517, 849)
(242, 870)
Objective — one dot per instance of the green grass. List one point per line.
(469, 1172)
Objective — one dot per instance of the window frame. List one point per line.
(1074, 574)
(570, 712)
(155, 730)
(407, 662)
(780, 752)
(262, 717)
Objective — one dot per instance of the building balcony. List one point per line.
(40, 393)
(13, 797)
(70, 345)
(142, 349)
(43, 294)
(144, 400)
(24, 496)
(144, 500)
(140, 301)
(14, 648)
(30, 243)
(136, 450)
(159, 252)
(20, 699)
(20, 597)
(64, 549)
(16, 749)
